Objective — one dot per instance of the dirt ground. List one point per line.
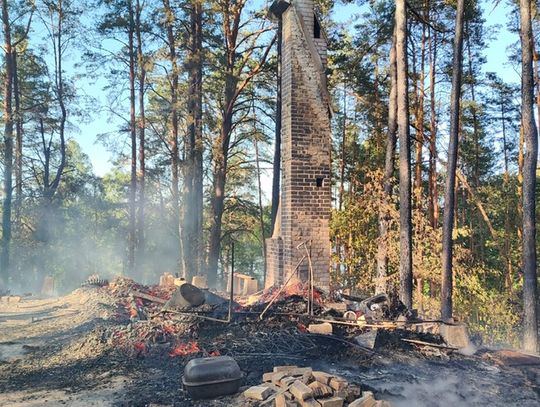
(62, 351)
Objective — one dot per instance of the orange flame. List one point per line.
(139, 346)
(184, 349)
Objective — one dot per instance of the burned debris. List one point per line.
(176, 355)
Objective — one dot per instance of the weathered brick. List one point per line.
(300, 391)
(258, 393)
(331, 402)
(367, 400)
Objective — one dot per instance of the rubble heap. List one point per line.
(292, 386)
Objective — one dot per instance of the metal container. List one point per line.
(206, 378)
(185, 296)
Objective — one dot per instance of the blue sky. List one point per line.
(497, 61)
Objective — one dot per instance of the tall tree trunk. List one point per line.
(433, 208)
(8, 146)
(406, 273)
(221, 150)
(420, 118)
(18, 137)
(192, 193)
(132, 238)
(173, 137)
(199, 144)
(233, 88)
(276, 166)
(449, 194)
(477, 239)
(142, 126)
(506, 188)
(384, 216)
(261, 207)
(530, 295)
(521, 159)
(343, 150)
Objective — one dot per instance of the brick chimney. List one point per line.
(305, 202)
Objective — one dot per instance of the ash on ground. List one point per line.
(113, 345)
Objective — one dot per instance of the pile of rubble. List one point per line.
(292, 386)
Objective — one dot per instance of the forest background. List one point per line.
(143, 132)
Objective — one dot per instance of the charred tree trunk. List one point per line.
(433, 208)
(420, 119)
(261, 207)
(384, 216)
(406, 274)
(192, 192)
(221, 151)
(173, 137)
(343, 150)
(8, 146)
(506, 188)
(276, 174)
(18, 137)
(449, 195)
(142, 126)
(132, 238)
(530, 294)
(199, 144)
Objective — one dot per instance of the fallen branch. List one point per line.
(433, 345)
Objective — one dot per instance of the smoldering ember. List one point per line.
(175, 284)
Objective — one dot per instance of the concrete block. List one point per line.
(200, 282)
(367, 339)
(251, 286)
(456, 336)
(324, 328)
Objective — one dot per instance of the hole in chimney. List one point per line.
(319, 182)
(316, 28)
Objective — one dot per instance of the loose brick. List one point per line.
(282, 368)
(367, 400)
(331, 402)
(322, 377)
(287, 381)
(293, 370)
(324, 328)
(277, 377)
(320, 390)
(300, 391)
(309, 403)
(258, 393)
(338, 383)
(267, 377)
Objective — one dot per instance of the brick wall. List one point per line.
(305, 152)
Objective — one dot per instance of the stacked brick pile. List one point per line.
(292, 386)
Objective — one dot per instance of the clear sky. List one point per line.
(497, 61)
